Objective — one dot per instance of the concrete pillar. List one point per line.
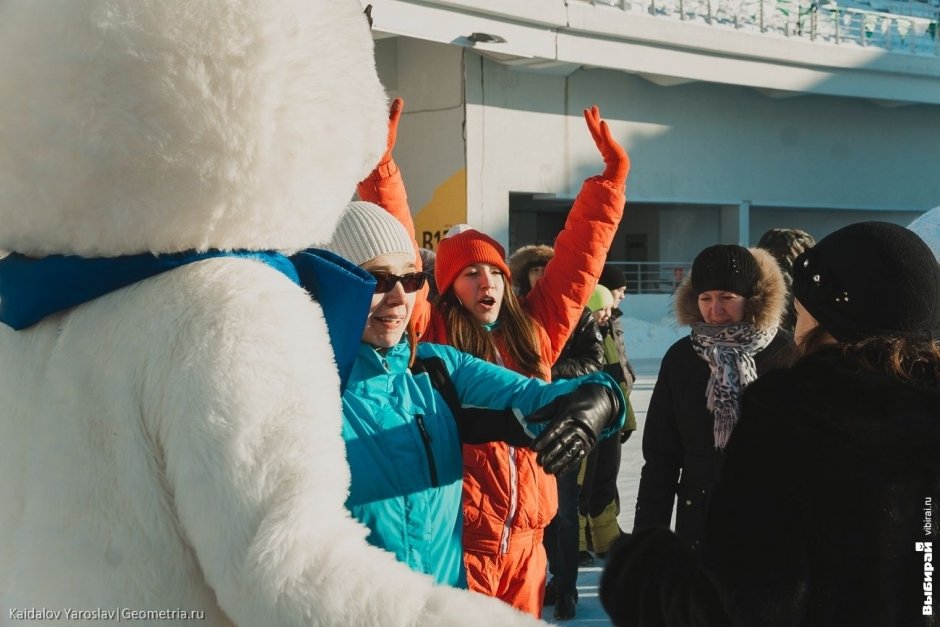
(736, 223)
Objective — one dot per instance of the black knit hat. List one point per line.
(870, 278)
(725, 267)
(612, 277)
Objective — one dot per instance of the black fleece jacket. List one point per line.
(583, 353)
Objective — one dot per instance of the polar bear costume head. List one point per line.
(170, 448)
(161, 126)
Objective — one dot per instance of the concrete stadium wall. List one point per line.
(700, 149)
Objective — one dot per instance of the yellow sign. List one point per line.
(447, 207)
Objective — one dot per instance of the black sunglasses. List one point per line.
(411, 282)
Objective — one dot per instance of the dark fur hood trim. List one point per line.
(764, 309)
(519, 262)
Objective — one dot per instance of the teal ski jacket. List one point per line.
(404, 449)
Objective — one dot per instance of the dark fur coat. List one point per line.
(830, 480)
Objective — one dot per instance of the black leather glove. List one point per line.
(575, 421)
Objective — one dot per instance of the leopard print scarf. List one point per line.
(729, 351)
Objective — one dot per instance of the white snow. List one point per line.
(650, 340)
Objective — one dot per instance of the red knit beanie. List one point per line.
(456, 252)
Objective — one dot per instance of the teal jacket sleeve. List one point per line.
(480, 384)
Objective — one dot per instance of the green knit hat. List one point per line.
(600, 298)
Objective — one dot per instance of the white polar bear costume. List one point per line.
(174, 445)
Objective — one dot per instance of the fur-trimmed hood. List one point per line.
(523, 259)
(167, 125)
(764, 309)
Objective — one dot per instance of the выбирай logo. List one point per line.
(927, 549)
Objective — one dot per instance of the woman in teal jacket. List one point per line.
(404, 442)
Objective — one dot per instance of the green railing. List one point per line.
(806, 19)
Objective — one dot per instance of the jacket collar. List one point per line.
(371, 362)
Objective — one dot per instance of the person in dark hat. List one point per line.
(733, 300)
(618, 366)
(599, 501)
(786, 245)
(826, 510)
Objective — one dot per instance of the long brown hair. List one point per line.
(899, 357)
(903, 358)
(515, 328)
(813, 340)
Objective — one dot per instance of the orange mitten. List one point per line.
(615, 157)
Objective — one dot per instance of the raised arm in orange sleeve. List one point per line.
(385, 187)
(581, 248)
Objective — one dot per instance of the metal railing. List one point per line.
(807, 19)
(653, 277)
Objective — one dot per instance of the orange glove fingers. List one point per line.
(592, 116)
(394, 115)
(615, 157)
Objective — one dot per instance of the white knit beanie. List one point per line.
(366, 231)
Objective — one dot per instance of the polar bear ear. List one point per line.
(163, 125)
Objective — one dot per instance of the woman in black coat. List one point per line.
(733, 301)
(826, 510)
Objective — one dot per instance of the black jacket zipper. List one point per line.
(426, 437)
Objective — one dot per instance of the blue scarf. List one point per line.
(32, 289)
